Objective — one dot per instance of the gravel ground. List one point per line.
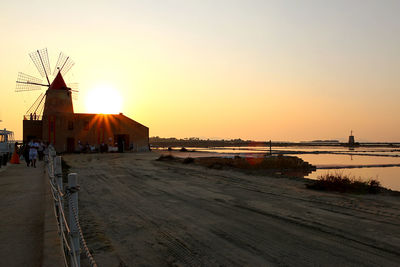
(137, 211)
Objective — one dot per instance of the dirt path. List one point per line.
(22, 196)
(138, 211)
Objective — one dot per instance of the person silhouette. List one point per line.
(15, 156)
(33, 152)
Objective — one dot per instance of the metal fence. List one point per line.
(71, 235)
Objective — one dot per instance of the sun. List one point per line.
(104, 100)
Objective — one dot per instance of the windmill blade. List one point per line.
(34, 108)
(40, 110)
(41, 60)
(27, 82)
(25, 78)
(74, 90)
(74, 95)
(73, 86)
(64, 64)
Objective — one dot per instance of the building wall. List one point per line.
(32, 128)
(93, 129)
(96, 129)
(55, 130)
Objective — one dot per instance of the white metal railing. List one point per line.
(70, 231)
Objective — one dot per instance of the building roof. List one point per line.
(58, 83)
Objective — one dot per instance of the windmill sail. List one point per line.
(74, 90)
(41, 60)
(64, 64)
(36, 106)
(27, 82)
(73, 86)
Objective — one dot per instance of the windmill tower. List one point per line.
(55, 103)
(351, 139)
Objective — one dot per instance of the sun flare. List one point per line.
(104, 100)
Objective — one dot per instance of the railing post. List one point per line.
(52, 155)
(58, 172)
(59, 182)
(54, 169)
(73, 187)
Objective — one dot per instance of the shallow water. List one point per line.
(359, 162)
(389, 177)
(332, 160)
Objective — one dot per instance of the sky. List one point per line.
(261, 70)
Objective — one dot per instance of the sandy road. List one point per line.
(22, 197)
(138, 211)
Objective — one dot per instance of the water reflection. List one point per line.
(339, 160)
(389, 177)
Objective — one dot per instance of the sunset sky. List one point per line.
(260, 70)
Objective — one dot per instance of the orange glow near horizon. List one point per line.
(255, 70)
(104, 100)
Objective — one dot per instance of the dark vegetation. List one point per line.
(188, 160)
(345, 184)
(272, 164)
(157, 141)
(167, 158)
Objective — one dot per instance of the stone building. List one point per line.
(65, 129)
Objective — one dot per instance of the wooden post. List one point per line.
(74, 238)
(58, 181)
(58, 172)
(52, 155)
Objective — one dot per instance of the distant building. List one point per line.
(63, 128)
(351, 139)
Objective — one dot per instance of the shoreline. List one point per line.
(356, 167)
(286, 173)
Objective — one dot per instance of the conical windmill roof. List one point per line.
(58, 83)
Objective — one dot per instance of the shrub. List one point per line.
(268, 163)
(188, 160)
(345, 184)
(166, 158)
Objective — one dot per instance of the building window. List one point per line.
(86, 125)
(70, 125)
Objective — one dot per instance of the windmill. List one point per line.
(27, 82)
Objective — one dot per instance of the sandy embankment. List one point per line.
(138, 211)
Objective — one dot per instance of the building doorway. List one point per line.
(70, 145)
(123, 141)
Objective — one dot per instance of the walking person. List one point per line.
(33, 152)
(25, 153)
(15, 155)
(46, 151)
(40, 150)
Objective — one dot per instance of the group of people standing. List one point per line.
(31, 152)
